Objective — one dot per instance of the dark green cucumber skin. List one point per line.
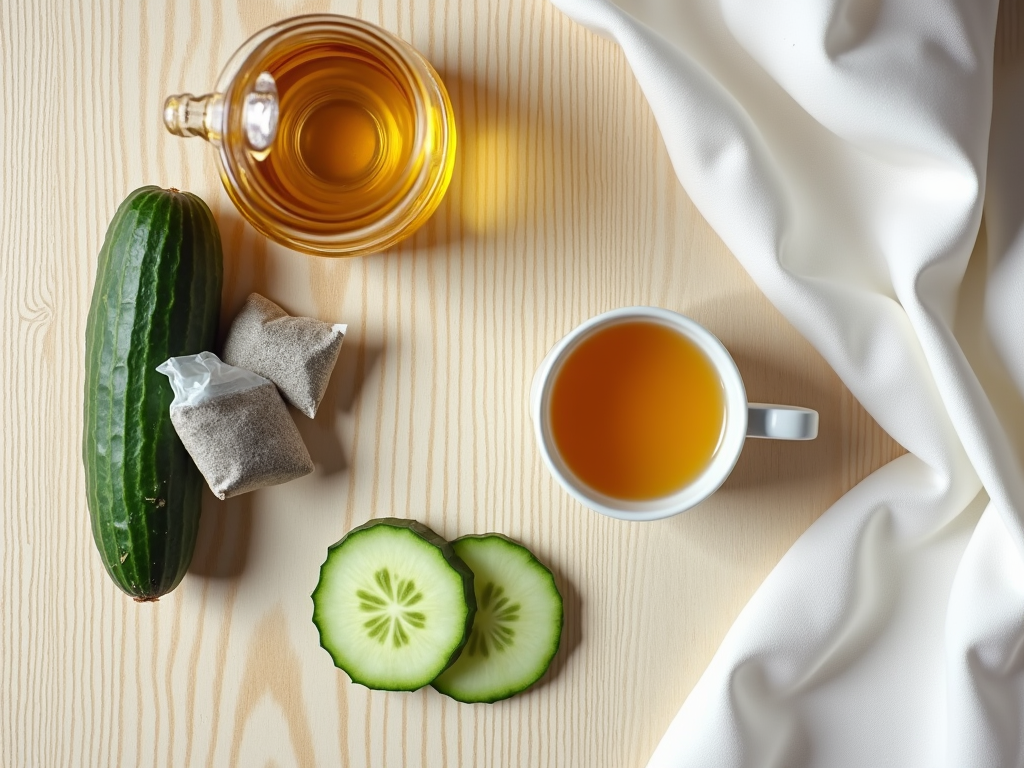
(157, 295)
(453, 559)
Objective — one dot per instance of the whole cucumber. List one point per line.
(157, 295)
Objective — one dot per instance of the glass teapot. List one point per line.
(333, 136)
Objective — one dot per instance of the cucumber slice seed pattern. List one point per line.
(518, 624)
(394, 604)
(390, 606)
(492, 622)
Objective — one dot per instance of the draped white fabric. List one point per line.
(844, 150)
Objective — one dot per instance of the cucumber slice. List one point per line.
(518, 622)
(394, 604)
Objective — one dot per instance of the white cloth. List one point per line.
(840, 148)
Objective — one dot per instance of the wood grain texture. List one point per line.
(563, 205)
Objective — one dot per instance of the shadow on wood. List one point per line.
(766, 463)
(225, 531)
(487, 196)
(572, 628)
(320, 435)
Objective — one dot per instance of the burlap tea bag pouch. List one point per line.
(296, 353)
(234, 424)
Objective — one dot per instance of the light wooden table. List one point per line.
(563, 205)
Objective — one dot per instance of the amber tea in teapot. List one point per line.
(335, 137)
(346, 133)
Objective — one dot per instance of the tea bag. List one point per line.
(234, 424)
(296, 353)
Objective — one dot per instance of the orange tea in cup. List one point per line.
(637, 410)
(640, 413)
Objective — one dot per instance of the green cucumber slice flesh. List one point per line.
(394, 604)
(518, 622)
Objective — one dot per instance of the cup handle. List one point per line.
(781, 422)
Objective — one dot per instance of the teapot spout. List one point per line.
(188, 115)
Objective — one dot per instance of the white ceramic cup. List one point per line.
(742, 419)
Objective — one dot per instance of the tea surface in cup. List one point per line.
(637, 410)
(346, 135)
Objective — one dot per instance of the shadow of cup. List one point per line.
(767, 462)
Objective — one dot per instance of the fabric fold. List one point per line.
(842, 152)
